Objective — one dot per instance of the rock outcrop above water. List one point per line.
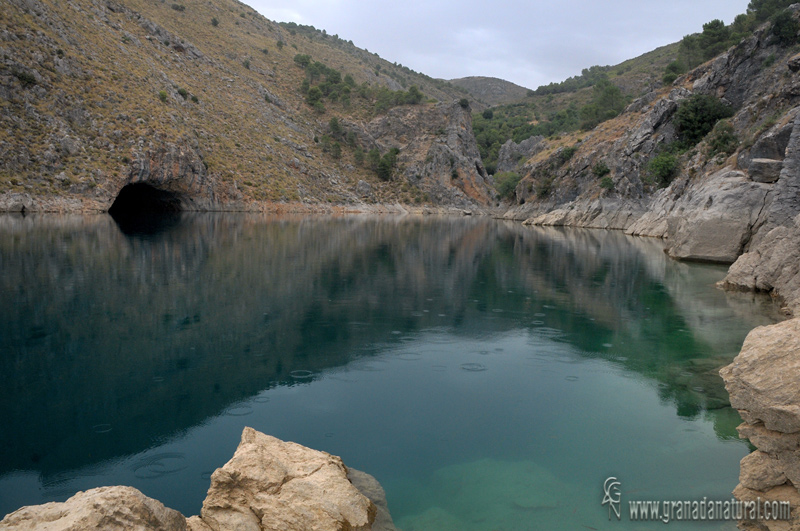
(764, 386)
(772, 261)
(271, 484)
(107, 508)
(268, 484)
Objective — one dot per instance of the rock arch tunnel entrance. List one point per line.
(142, 208)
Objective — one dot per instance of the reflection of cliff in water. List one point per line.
(658, 317)
(151, 336)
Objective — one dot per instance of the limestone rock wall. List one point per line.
(718, 207)
(438, 152)
(764, 386)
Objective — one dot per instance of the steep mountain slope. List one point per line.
(204, 101)
(720, 198)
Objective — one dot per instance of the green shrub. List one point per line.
(413, 96)
(785, 28)
(178, 7)
(606, 183)
(696, 117)
(183, 92)
(373, 158)
(214, 22)
(162, 95)
(672, 71)
(387, 163)
(335, 127)
(663, 168)
(313, 96)
(769, 61)
(600, 169)
(669, 78)
(280, 45)
(27, 79)
(246, 64)
(565, 154)
(194, 99)
(302, 60)
(715, 39)
(464, 102)
(607, 102)
(722, 138)
(764, 9)
(675, 67)
(505, 183)
(336, 150)
(544, 186)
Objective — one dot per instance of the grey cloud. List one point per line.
(529, 43)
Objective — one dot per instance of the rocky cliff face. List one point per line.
(268, 484)
(438, 152)
(718, 208)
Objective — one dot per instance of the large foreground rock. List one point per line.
(764, 385)
(107, 508)
(269, 484)
(764, 379)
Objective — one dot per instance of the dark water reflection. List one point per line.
(142, 335)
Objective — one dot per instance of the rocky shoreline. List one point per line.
(267, 484)
(17, 203)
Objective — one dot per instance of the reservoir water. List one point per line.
(490, 375)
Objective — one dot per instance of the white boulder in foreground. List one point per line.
(269, 484)
(109, 508)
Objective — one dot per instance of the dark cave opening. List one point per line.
(143, 209)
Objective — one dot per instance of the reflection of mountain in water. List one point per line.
(153, 335)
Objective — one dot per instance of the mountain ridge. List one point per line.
(491, 91)
(205, 101)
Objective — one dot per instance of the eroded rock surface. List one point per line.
(271, 484)
(107, 508)
(764, 386)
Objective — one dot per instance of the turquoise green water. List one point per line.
(490, 375)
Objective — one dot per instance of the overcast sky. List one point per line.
(529, 43)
